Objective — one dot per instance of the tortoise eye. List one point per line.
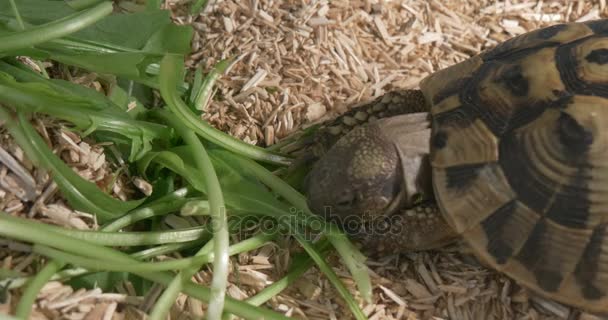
(346, 199)
(391, 190)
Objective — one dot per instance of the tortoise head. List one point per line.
(372, 171)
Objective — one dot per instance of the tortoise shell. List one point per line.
(519, 151)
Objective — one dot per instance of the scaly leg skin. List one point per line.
(419, 228)
(308, 149)
(391, 104)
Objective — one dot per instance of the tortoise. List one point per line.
(507, 150)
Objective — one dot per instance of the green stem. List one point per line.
(166, 204)
(298, 269)
(198, 6)
(17, 15)
(19, 229)
(333, 278)
(82, 4)
(163, 205)
(166, 249)
(176, 264)
(24, 308)
(17, 281)
(166, 300)
(204, 93)
(218, 217)
(123, 239)
(55, 29)
(273, 182)
(171, 67)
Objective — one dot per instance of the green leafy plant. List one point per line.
(197, 171)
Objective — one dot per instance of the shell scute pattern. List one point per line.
(520, 158)
(546, 37)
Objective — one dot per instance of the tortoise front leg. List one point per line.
(388, 105)
(410, 229)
